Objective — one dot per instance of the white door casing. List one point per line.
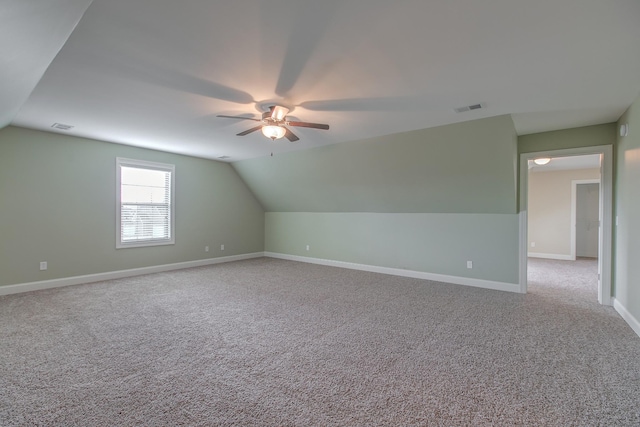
(606, 223)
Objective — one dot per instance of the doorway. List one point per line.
(565, 247)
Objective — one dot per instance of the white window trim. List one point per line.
(120, 162)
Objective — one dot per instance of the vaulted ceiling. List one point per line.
(156, 73)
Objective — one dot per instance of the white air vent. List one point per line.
(61, 126)
(468, 108)
(224, 157)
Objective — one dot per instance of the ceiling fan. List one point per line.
(273, 124)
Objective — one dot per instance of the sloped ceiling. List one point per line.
(31, 34)
(155, 73)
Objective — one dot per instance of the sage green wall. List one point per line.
(467, 167)
(586, 136)
(428, 200)
(627, 210)
(432, 243)
(57, 196)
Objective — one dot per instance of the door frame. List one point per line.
(606, 231)
(574, 213)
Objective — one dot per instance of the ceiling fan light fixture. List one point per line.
(273, 132)
(542, 160)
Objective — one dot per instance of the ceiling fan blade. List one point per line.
(309, 125)
(239, 117)
(290, 136)
(248, 131)
(278, 112)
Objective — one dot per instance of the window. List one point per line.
(145, 208)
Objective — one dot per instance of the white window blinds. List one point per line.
(145, 203)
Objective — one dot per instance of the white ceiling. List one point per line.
(589, 161)
(155, 74)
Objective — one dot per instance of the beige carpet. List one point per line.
(268, 342)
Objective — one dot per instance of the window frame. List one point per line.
(143, 164)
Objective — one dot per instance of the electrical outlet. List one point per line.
(469, 264)
(43, 265)
(533, 244)
(307, 247)
(222, 247)
(206, 248)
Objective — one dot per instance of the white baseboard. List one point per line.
(479, 283)
(551, 256)
(89, 278)
(628, 317)
(77, 280)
